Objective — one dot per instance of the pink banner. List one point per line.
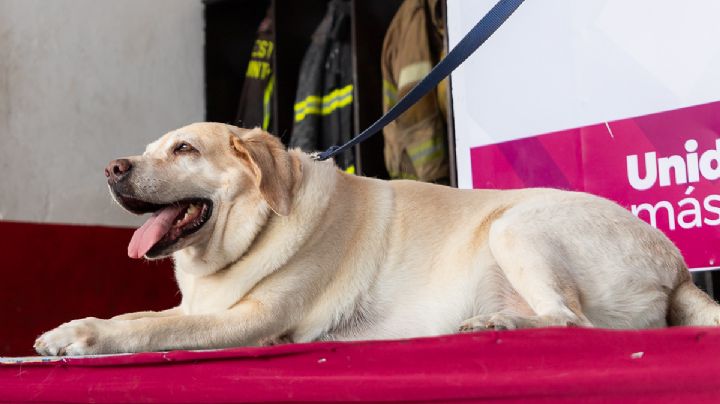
(664, 167)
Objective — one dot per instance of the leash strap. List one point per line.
(476, 37)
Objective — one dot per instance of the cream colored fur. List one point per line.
(350, 258)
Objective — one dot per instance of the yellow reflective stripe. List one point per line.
(313, 104)
(308, 111)
(325, 109)
(339, 103)
(350, 169)
(310, 100)
(339, 92)
(426, 151)
(389, 93)
(313, 100)
(412, 73)
(266, 102)
(388, 86)
(437, 154)
(413, 150)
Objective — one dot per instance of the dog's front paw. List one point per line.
(279, 340)
(495, 322)
(77, 337)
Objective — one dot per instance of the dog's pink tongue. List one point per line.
(152, 231)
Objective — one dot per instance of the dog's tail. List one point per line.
(691, 306)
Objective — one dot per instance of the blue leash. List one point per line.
(476, 37)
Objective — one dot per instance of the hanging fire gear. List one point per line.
(416, 142)
(256, 97)
(323, 104)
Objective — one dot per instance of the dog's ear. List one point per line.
(278, 173)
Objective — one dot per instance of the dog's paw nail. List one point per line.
(467, 328)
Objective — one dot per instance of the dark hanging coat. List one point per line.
(324, 100)
(256, 97)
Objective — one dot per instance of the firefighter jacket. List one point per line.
(323, 104)
(416, 142)
(256, 97)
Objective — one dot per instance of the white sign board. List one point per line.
(618, 98)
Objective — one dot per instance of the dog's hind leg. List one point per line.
(534, 266)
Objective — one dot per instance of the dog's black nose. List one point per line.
(117, 170)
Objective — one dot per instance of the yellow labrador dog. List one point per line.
(270, 245)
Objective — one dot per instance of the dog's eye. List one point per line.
(184, 148)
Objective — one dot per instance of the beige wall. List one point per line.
(85, 81)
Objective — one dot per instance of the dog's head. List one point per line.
(191, 178)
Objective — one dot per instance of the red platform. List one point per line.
(528, 366)
(55, 273)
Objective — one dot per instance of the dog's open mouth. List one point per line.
(168, 224)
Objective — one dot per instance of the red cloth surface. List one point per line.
(56, 273)
(528, 366)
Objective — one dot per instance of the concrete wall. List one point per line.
(83, 82)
